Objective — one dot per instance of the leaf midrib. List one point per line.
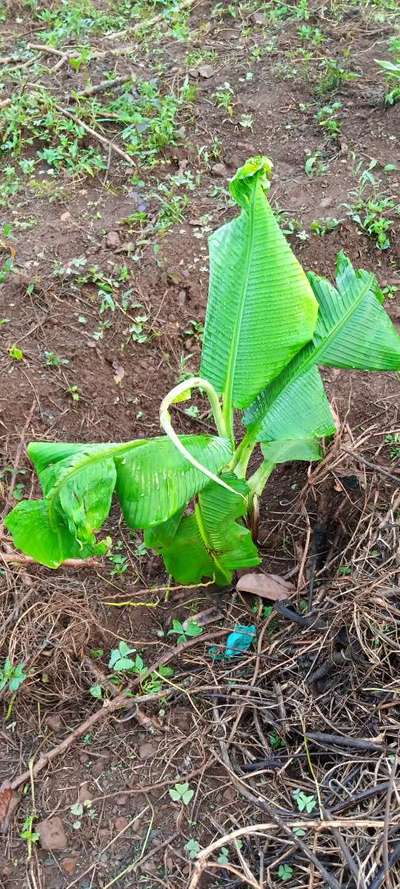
(230, 374)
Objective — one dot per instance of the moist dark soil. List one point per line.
(63, 624)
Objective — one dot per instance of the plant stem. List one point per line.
(258, 480)
(242, 455)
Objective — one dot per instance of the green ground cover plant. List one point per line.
(269, 326)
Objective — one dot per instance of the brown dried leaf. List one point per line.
(267, 586)
(9, 800)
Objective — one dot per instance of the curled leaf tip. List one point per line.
(257, 169)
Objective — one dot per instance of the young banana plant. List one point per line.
(269, 327)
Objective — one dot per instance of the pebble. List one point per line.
(147, 750)
(219, 170)
(113, 240)
(120, 823)
(54, 722)
(121, 799)
(52, 834)
(84, 794)
(69, 865)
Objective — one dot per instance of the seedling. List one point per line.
(11, 678)
(391, 71)
(304, 802)
(181, 793)
(285, 872)
(328, 119)
(189, 630)
(192, 847)
(268, 328)
(393, 440)
(322, 227)
(16, 353)
(223, 98)
(120, 661)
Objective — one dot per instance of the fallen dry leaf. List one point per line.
(9, 800)
(267, 586)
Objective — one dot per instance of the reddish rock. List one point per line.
(52, 834)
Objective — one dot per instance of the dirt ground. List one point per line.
(101, 310)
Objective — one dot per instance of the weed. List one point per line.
(11, 677)
(391, 71)
(181, 793)
(370, 216)
(314, 164)
(223, 98)
(323, 227)
(304, 802)
(74, 393)
(310, 34)
(333, 77)
(184, 631)
(120, 661)
(393, 440)
(51, 359)
(192, 847)
(285, 872)
(328, 119)
(16, 353)
(28, 833)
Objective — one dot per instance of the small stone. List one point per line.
(113, 240)
(52, 834)
(120, 823)
(84, 794)
(326, 202)
(219, 170)
(147, 750)
(54, 722)
(69, 865)
(205, 71)
(121, 799)
(181, 298)
(65, 217)
(258, 18)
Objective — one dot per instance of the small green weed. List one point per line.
(328, 119)
(223, 98)
(120, 661)
(181, 793)
(304, 802)
(393, 440)
(322, 227)
(11, 678)
(184, 631)
(333, 77)
(16, 353)
(192, 847)
(285, 872)
(370, 216)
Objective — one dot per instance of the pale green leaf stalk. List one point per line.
(269, 328)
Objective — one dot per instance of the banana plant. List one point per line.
(269, 327)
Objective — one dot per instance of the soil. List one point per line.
(56, 620)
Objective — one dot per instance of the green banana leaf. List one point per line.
(261, 308)
(353, 331)
(151, 478)
(211, 542)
